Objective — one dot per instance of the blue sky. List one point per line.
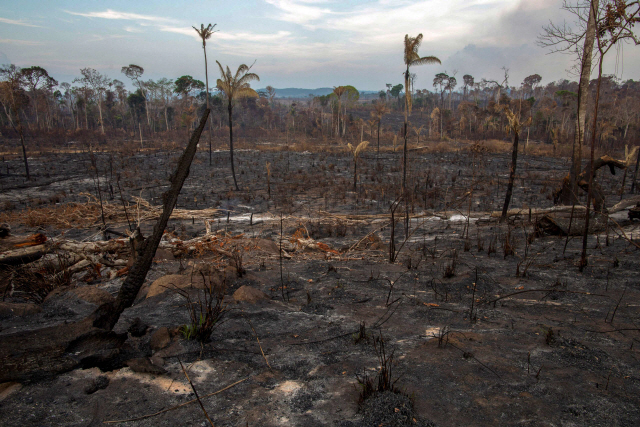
(295, 43)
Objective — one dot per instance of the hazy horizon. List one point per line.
(295, 43)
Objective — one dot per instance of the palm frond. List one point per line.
(246, 92)
(426, 60)
(243, 68)
(360, 148)
(249, 77)
(222, 73)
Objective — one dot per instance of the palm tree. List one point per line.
(379, 110)
(205, 34)
(411, 57)
(355, 151)
(235, 86)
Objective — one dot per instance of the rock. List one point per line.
(7, 389)
(93, 295)
(143, 365)
(160, 339)
(157, 360)
(248, 294)
(174, 281)
(8, 309)
(138, 328)
(100, 383)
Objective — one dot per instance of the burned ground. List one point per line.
(488, 324)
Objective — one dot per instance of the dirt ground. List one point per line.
(488, 325)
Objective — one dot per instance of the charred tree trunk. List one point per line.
(512, 176)
(49, 351)
(233, 170)
(570, 190)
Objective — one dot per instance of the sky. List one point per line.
(294, 43)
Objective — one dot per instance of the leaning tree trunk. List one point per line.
(512, 176)
(91, 342)
(233, 169)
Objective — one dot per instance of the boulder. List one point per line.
(143, 365)
(92, 294)
(174, 281)
(248, 294)
(160, 339)
(9, 309)
(138, 328)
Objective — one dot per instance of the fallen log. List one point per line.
(44, 353)
(23, 255)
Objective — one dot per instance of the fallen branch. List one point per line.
(543, 290)
(196, 393)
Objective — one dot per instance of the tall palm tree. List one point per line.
(411, 57)
(235, 86)
(205, 34)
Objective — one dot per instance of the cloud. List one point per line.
(113, 14)
(133, 30)
(252, 37)
(24, 24)
(21, 42)
(186, 31)
(299, 11)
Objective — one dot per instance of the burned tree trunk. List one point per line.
(49, 351)
(512, 176)
(107, 315)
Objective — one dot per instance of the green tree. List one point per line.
(235, 86)
(396, 90)
(134, 72)
(184, 85)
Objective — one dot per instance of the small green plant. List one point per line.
(206, 313)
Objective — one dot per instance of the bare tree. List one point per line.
(614, 25)
(36, 78)
(515, 126)
(579, 41)
(98, 83)
(13, 95)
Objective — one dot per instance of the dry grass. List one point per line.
(82, 215)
